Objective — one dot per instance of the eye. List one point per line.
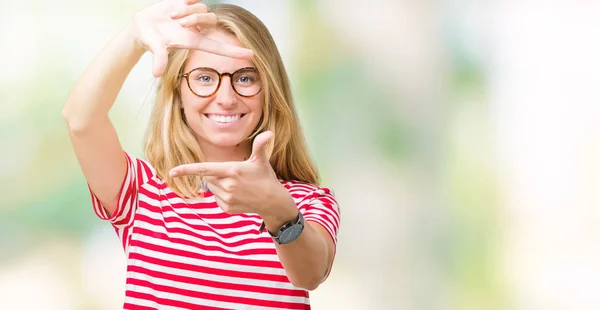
(245, 79)
(204, 78)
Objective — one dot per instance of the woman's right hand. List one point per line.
(178, 24)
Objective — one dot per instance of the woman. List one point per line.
(226, 211)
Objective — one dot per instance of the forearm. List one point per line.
(95, 92)
(306, 259)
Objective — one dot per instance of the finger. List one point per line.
(160, 58)
(228, 50)
(223, 198)
(190, 9)
(227, 208)
(204, 169)
(199, 42)
(199, 20)
(260, 146)
(212, 181)
(214, 186)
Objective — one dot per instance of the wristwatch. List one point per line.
(289, 232)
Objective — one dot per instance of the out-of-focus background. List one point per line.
(462, 139)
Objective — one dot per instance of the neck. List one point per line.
(214, 153)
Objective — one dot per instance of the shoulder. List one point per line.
(142, 167)
(303, 190)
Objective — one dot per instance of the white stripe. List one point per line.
(230, 219)
(211, 277)
(202, 210)
(327, 199)
(247, 246)
(216, 291)
(200, 262)
(201, 232)
(202, 222)
(127, 204)
(301, 186)
(195, 301)
(331, 212)
(147, 303)
(327, 217)
(157, 203)
(177, 199)
(327, 223)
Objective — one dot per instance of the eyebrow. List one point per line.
(197, 67)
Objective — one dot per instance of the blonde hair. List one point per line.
(170, 142)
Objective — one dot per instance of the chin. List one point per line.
(225, 140)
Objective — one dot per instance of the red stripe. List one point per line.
(128, 306)
(205, 269)
(140, 170)
(211, 227)
(167, 302)
(199, 207)
(218, 285)
(215, 226)
(329, 216)
(215, 297)
(264, 238)
(246, 252)
(180, 217)
(124, 204)
(125, 237)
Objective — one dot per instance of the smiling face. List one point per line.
(223, 120)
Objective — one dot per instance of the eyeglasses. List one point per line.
(205, 82)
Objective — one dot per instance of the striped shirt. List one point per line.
(189, 254)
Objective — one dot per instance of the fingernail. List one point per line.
(173, 14)
(173, 173)
(183, 22)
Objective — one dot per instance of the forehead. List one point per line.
(220, 63)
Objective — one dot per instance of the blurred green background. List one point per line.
(461, 139)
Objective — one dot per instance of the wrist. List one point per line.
(131, 35)
(281, 211)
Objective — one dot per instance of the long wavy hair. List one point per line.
(170, 142)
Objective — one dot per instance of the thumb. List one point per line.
(160, 58)
(259, 146)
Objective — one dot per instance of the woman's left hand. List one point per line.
(249, 186)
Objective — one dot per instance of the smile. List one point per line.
(224, 119)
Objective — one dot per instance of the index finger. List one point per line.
(204, 169)
(200, 42)
(223, 49)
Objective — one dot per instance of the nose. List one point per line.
(226, 95)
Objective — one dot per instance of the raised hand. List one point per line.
(179, 24)
(249, 186)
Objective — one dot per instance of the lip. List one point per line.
(225, 114)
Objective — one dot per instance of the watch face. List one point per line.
(290, 234)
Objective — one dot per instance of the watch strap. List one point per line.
(299, 220)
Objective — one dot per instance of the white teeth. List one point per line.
(223, 118)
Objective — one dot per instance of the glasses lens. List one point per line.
(247, 82)
(204, 81)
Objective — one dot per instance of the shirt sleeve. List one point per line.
(138, 173)
(320, 206)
